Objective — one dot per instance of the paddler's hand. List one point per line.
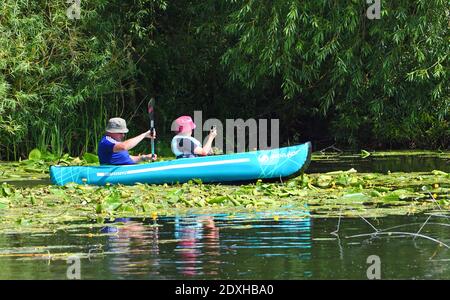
(151, 135)
(147, 157)
(213, 132)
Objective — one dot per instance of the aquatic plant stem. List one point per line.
(400, 233)
(434, 200)
(339, 224)
(376, 230)
(421, 227)
(411, 224)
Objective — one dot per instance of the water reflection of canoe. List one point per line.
(240, 167)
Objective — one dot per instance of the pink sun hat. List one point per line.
(184, 124)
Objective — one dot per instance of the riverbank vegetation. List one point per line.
(324, 69)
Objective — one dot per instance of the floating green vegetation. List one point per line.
(379, 154)
(340, 193)
(37, 165)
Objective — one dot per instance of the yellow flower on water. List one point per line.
(435, 185)
(435, 196)
(276, 218)
(154, 215)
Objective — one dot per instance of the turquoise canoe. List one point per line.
(273, 164)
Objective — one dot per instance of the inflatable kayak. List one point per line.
(231, 168)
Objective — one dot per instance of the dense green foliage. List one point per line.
(385, 79)
(325, 70)
(61, 79)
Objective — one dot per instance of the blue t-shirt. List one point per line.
(107, 156)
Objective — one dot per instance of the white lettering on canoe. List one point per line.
(172, 167)
(265, 159)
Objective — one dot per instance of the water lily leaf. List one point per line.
(370, 177)
(335, 172)
(391, 197)
(35, 154)
(399, 195)
(219, 199)
(47, 156)
(99, 208)
(304, 180)
(4, 203)
(235, 202)
(23, 222)
(90, 158)
(354, 181)
(125, 195)
(113, 206)
(13, 176)
(200, 203)
(146, 207)
(382, 189)
(375, 193)
(113, 202)
(57, 191)
(6, 190)
(357, 197)
(33, 170)
(439, 173)
(32, 200)
(343, 179)
(197, 181)
(324, 181)
(126, 208)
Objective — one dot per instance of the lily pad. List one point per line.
(6, 190)
(324, 181)
(439, 173)
(219, 199)
(90, 158)
(400, 194)
(35, 154)
(357, 197)
(4, 203)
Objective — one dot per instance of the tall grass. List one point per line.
(55, 72)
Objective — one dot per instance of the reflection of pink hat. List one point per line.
(184, 124)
